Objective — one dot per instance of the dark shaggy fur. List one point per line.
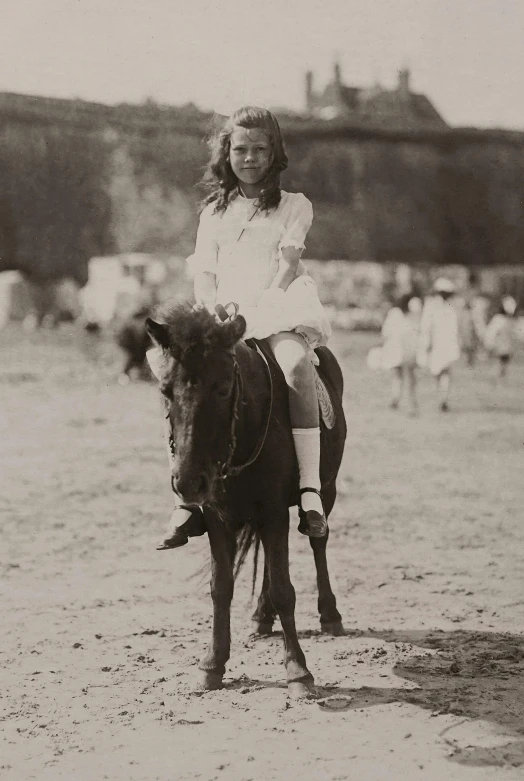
(219, 417)
(189, 329)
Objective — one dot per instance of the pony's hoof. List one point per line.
(333, 628)
(209, 682)
(301, 690)
(262, 630)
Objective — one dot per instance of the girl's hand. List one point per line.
(205, 290)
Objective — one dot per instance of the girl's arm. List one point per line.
(386, 329)
(287, 267)
(292, 243)
(204, 261)
(205, 286)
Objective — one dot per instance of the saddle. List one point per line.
(325, 385)
(322, 380)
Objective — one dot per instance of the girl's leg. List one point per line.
(443, 381)
(396, 387)
(411, 379)
(503, 367)
(291, 352)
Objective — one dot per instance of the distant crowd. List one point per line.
(432, 333)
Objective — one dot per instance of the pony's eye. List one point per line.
(222, 391)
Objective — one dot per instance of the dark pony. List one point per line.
(233, 455)
(219, 178)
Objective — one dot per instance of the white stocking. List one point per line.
(307, 446)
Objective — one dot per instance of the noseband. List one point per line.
(227, 468)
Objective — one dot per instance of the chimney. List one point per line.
(337, 78)
(403, 83)
(336, 91)
(309, 90)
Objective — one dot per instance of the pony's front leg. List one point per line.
(330, 618)
(264, 615)
(222, 543)
(275, 533)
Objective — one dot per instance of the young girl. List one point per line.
(400, 333)
(248, 247)
(439, 337)
(499, 336)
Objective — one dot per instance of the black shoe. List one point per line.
(444, 406)
(312, 523)
(179, 535)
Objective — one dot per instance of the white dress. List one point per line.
(242, 247)
(439, 335)
(400, 333)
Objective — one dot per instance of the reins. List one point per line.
(228, 469)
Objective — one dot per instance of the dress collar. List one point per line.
(242, 199)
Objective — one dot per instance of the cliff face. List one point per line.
(99, 180)
(414, 201)
(56, 207)
(153, 193)
(68, 195)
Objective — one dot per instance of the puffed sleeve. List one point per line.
(206, 246)
(298, 222)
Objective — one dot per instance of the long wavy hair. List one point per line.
(219, 179)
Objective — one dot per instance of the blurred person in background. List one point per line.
(439, 344)
(469, 339)
(500, 335)
(479, 307)
(400, 335)
(133, 339)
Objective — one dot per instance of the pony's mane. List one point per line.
(196, 330)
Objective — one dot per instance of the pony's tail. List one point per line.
(247, 538)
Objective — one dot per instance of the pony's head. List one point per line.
(199, 382)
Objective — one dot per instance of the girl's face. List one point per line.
(250, 158)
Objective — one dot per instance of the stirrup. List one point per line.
(312, 523)
(194, 526)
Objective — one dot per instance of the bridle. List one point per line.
(227, 468)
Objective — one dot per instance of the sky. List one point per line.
(467, 56)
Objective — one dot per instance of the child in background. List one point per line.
(469, 341)
(500, 335)
(248, 247)
(439, 337)
(400, 333)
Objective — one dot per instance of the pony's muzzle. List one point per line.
(192, 489)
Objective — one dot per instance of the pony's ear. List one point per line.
(158, 333)
(232, 331)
